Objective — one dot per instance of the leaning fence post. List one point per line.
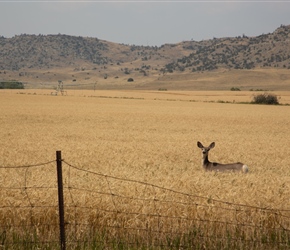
(60, 199)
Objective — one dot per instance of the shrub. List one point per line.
(235, 89)
(130, 80)
(265, 98)
(257, 90)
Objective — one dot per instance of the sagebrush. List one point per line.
(266, 98)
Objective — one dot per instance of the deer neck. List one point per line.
(205, 161)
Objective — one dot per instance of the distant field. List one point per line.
(151, 136)
(186, 96)
(271, 79)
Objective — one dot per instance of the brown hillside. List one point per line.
(83, 62)
(270, 50)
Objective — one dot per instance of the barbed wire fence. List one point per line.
(57, 205)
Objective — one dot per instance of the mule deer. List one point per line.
(214, 166)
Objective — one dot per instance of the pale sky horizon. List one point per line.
(139, 22)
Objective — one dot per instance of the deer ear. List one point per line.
(212, 145)
(199, 144)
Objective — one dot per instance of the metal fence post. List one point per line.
(60, 199)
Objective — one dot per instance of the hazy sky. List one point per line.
(143, 22)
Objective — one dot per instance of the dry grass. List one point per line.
(150, 137)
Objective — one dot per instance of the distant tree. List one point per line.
(126, 71)
(11, 85)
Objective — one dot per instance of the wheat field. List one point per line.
(149, 137)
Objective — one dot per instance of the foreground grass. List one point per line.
(196, 238)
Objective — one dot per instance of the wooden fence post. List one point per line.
(60, 200)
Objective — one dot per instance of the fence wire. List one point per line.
(109, 212)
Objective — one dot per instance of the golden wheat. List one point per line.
(148, 137)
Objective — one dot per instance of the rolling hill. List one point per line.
(218, 63)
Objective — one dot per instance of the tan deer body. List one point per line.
(214, 166)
